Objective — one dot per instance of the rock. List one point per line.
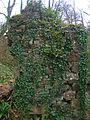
(5, 90)
(37, 57)
(47, 88)
(75, 67)
(11, 83)
(65, 88)
(37, 99)
(75, 87)
(69, 95)
(71, 78)
(76, 46)
(57, 102)
(73, 57)
(71, 82)
(75, 104)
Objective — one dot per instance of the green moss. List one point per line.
(18, 16)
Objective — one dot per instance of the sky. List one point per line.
(83, 5)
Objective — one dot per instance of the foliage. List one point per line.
(5, 73)
(46, 61)
(4, 109)
(88, 61)
(9, 8)
(83, 71)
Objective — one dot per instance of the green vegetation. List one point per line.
(83, 69)
(88, 61)
(42, 48)
(5, 73)
(5, 107)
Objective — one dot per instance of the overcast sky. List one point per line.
(80, 4)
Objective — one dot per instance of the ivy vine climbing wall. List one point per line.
(53, 65)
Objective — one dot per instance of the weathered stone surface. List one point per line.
(65, 88)
(69, 95)
(73, 57)
(75, 104)
(5, 89)
(37, 56)
(20, 29)
(11, 82)
(76, 46)
(75, 87)
(70, 82)
(71, 76)
(75, 67)
(57, 102)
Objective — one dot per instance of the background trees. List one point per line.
(67, 12)
(9, 9)
(7, 15)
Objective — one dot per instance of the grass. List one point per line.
(5, 73)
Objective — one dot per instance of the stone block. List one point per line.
(5, 90)
(69, 95)
(74, 67)
(73, 57)
(75, 87)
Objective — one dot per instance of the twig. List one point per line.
(3, 14)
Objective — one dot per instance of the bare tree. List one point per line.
(7, 16)
(49, 2)
(67, 12)
(52, 3)
(11, 6)
(9, 9)
(21, 6)
(28, 1)
(69, 15)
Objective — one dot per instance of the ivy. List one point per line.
(43, 61)
(82, 71)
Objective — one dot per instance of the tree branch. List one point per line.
(3, 14)
(86, 13)
(11, 7)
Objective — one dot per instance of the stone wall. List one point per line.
(68, 96)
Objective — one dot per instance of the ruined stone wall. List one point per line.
(53, 77)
